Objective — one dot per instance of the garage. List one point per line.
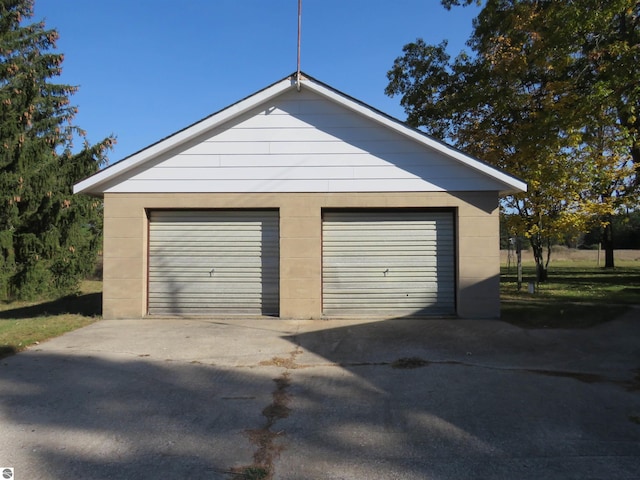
(213, 262)
(300, 201)
(388, 262)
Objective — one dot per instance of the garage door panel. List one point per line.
(228, 291)
(192, 258)
(365, 296)
(214, 262)
(409, 285)
(373, 259)
(222, 273)
(366, 271)
(227, 244)
(393, 302)
(205, 288)
(392, 263)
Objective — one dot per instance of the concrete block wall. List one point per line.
(126, 244)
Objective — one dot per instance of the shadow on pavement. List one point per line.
(92, 418)
(467, 406)
(350, 414)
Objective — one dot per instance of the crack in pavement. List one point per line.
(265, 438)
(631, 385)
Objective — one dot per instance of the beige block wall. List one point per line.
(126, 230)
(479, 257)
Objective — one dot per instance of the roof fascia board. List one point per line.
(513, 184)
(90, 184)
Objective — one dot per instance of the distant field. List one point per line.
(578, 293)
(627, 258)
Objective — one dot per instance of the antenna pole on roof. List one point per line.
(299, 30)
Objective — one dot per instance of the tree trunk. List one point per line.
(607, 245)
(541, 273)
(538, 254)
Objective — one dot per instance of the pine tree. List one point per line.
(48, 237)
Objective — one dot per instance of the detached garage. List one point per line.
(300, 202)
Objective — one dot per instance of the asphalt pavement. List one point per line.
(339, 399)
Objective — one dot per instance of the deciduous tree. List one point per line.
(537, 96)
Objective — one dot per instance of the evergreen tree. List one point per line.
(48, 237)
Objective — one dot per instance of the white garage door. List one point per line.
(213, 262)
(388, 263)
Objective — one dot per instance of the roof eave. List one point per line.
(513, 184)
(92, 185)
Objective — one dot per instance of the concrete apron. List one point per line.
(337, 399)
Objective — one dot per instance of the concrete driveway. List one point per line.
(396, 399)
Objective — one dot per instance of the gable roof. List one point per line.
(121, 171)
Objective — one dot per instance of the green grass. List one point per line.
(576, 295)
(253, 473)
(23, 324)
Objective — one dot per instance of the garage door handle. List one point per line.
(385, 272)
(211, 272)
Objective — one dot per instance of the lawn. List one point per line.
(577, 294)
(27, 323)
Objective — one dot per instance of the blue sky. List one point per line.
(147, 68)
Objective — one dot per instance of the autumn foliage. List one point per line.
(550, 92)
